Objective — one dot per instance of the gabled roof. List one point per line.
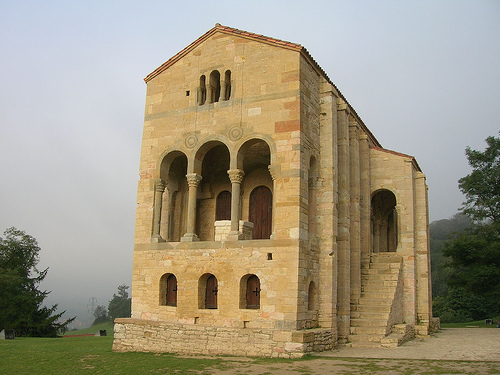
(218, 28)
(226, 30)
(412, 158)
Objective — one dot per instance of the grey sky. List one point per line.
(423, 75)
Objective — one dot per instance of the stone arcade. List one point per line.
(270, 221)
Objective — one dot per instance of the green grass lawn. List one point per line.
(108, 326)
(93, 355)
(89, 355)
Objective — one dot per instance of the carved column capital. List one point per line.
(236, 175)
(160, 185)
(274, 170)
(193, 179)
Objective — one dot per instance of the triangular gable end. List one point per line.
(218, 28)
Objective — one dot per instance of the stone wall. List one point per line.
(162, 337)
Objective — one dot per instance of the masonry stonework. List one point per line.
(270, 221)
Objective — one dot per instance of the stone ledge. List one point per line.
(152, 336)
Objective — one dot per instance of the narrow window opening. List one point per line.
(168, 290)
(171, 293)
(227, 85)
(211, 292)
(213, 90)
(202, 91)
(269, 256)
(311, 297)
(187, 92)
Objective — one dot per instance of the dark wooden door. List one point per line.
(261, 209)
(171, 293)
(223, 206)
(253, 292)
(211, 293)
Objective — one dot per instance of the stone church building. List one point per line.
(270, 221)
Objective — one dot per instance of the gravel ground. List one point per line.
(458, 344)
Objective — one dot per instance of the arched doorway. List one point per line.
(260, 213)
(223, 206)
(384, 222)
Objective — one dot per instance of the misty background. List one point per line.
(423, 75)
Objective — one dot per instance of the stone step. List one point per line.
(364, 341)
(384, 283)
(378, 288)
(369, 315)
(378, 295)
(392, 258)
(360, 322)
(380, 271)
(369, 330)
(367, 301)
(384, 265)
(388, 276)
(385, 308)
(365, 337)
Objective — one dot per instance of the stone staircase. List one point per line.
(376, 318)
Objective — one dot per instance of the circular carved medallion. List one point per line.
(191, 141)
(235, 133)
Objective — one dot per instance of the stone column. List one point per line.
(193, 180)
(210, 90)
(223, 88)
(355, 212)
(326, 228)
(236, 176)
(274, 170)
(423, 269)
(159, 189)
(343, 237)
(365, 201)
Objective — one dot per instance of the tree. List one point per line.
(100, 315)
(482, 186)
(120, 305)
(441, 231)
(20, 298)
(475, 253)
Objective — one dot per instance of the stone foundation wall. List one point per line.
(162, 337)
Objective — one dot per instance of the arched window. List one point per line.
(250, 292)
(260, 214)
(253, 293)
(168, 290)
(214, 87)
(227, 86)
(312, 296)
(384, 222)
(208, 291)
(202, 91)
(223, 206)
(312, 181)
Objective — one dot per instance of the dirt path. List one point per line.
(451, 351)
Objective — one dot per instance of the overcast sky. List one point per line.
(423, 75)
